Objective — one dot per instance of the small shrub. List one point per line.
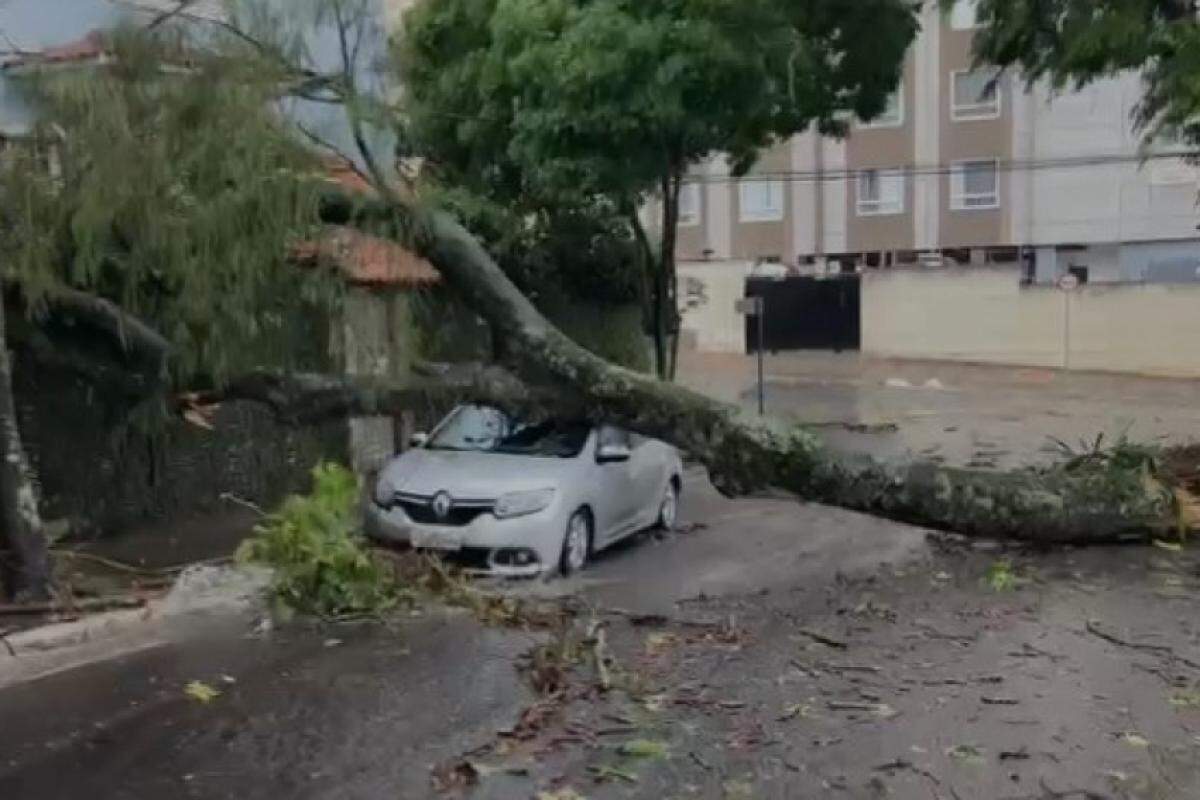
(1000, 576)
(317, 551)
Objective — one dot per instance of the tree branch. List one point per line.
(743, 456)
(135, 337)
(310, 398)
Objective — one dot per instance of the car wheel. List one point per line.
(577, 543)
(668, 510)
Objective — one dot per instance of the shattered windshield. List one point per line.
(488, 430)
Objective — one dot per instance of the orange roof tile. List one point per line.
(368, 260)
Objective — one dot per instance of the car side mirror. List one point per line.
(418, 440)
(612, 453)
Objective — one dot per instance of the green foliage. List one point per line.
(314, 545)
(1075, 42)
(178, 193)
(578, 250)
(609, 96)
(573, 113)
(1000, 576)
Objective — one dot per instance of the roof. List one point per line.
(368, 260)
(364, 259)
(340, 171)
(90, 48)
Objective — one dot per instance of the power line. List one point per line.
(933, 170)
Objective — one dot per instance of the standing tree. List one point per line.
(555, 102)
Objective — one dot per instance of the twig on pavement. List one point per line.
(824, 639)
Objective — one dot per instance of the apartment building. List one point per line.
(966, 167)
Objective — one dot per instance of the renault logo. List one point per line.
(442, 505)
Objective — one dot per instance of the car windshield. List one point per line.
(488, 430)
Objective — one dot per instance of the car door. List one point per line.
(615, 498)
(647, 475)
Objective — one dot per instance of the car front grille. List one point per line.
(419, 509)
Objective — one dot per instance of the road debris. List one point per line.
(201, 692)
(822, 638)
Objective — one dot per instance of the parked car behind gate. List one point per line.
(529, 499)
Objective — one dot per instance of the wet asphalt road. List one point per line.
(936, 684)
(301, 716)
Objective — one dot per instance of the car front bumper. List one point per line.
(540, 535)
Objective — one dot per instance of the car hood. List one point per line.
(471, 475)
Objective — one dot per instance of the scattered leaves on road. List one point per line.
(607, 772)
(1000, 576)
(1134, 739)
(201, 692)
(455, 775)
(1187, 699)
(796, 710)
(566, 793)
(966, 753)
(643, 748)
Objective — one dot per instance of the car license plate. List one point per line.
(435, 540)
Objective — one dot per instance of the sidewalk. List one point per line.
(974, 415)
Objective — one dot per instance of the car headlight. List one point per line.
(385, 492)
(518, 504)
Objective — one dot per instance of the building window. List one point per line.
(892, 115)
(760, 200)
(976, 95)
(974, 185)
(689, 204)
(880, 191)
(965, 15)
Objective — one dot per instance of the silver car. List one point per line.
(526, 499)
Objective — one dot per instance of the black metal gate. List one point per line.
(802, 313)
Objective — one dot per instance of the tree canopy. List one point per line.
(606, 96)
(168, 185)
(550, 103)
(1074, 42)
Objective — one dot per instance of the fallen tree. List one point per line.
(1123, 495)
(208, 330)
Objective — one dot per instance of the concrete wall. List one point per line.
(985, 315)
(1116, 200)
(707, 294)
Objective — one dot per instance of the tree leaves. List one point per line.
(177, 193)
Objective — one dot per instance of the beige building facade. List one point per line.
(967, 167)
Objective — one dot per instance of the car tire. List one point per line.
(577, 543)
(668, 509)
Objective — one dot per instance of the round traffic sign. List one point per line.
(1068, 282)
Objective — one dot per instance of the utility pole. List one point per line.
(755, 307)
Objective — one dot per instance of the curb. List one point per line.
(58, 647)
(58, 635)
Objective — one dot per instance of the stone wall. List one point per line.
(98, 464)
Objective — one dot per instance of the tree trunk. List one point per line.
(671, 276)
(665, 311)
(1089, 502)
(18, 495)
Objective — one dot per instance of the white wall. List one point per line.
(1107, 202)
(985, 315)
(707, 294)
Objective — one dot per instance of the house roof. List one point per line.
(370, 261)
(89, 48)
(364, 259)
